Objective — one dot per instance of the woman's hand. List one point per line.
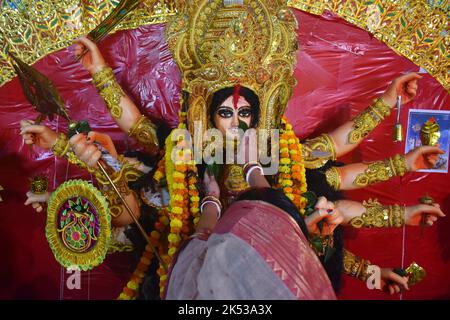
(37, 201)
(211, 186)
(93, 60)
(404, 86)
(413, 214)
(38, 135)
(326, 211)
(391, 282)
(424, 157)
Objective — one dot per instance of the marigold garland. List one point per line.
(184, 197)
(291, 177)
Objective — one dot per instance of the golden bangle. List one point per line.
(368, 120)
(333, 178)
(144, 132)
(355, 266)
(322, 145)
(61, 145)
(383, 170)
(111, 92)
(379, 216)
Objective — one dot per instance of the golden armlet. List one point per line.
(368, 120)
(379, 216)
(382, 170)
(127, 173)
(317, 151)
(144, 132)
(110, 90)
(333, 178)
(355, 266)
(61, 145)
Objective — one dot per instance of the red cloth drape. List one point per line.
(340, 70)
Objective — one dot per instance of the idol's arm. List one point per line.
(317, 151)
(360, 175)
(123, 110)
(350, 134)
(362, 269)
(372, 214)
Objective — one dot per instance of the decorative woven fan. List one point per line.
(78, 225)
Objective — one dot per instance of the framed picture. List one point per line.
(416, 120)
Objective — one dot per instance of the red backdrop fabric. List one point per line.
(340, 70)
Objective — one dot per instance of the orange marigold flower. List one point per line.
(129, 292)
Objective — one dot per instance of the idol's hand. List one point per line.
(37, 200)
(391, 282)
(413, 214)
(93, 60)
(326, 211)
(404, 86)
(39, 135)
(424, 157)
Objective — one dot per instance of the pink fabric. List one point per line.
(279, 240)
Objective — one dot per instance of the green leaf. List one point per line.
(311, 199)
(419, 33)
(317, 244)
(391, 14)
(369, 2)
(243, 125)
(28, 33)
(381, 8)
(54, 22)
(402, 21)
(214, 169)
(442, 48)
(428, 40)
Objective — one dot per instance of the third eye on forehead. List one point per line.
(227, 112)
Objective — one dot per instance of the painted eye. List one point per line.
(225, 113)
(245, 112)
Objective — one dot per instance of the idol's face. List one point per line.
(228, 114)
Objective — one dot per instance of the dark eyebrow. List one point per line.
(225, 107)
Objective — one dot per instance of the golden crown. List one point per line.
(219, 43)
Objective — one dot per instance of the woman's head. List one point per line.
(231, 105)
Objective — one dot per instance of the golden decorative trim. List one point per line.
(382, 170)
(355, 266)
(144, 131)
(111, 92)
(61, 145)
(316, 152)
(379, 216)
(368, 120)
(217, 45)
(127, 173)
(417, 30)
(333, 178)
(33, 29)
